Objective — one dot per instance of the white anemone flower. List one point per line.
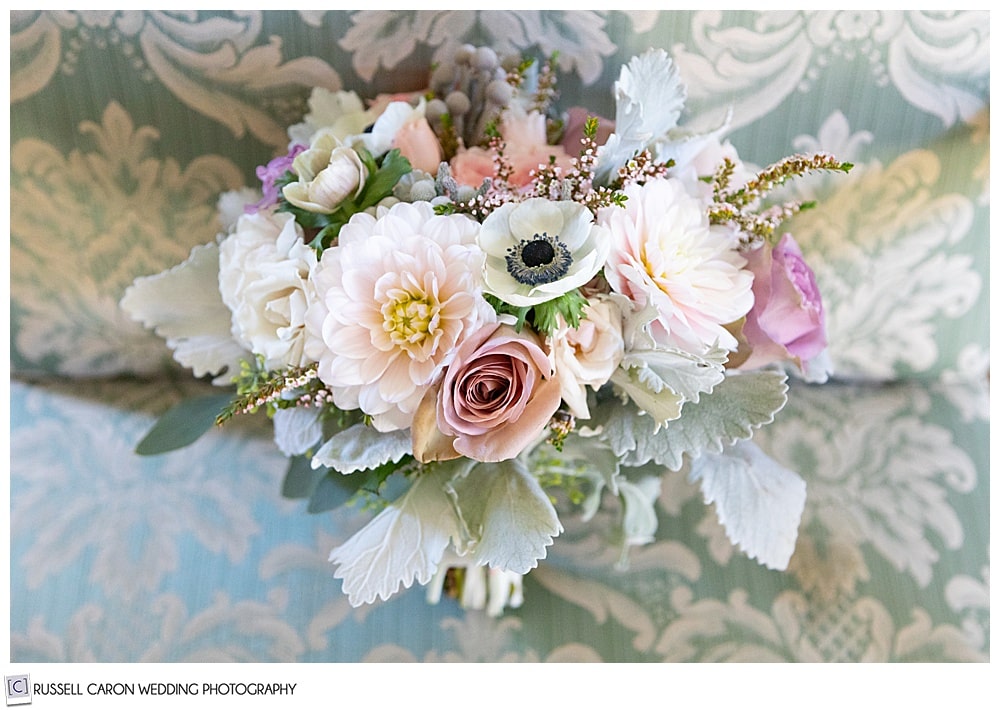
(396, 297)
(668, 256)
(539, 249)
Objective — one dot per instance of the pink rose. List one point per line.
(787, 321)
(418, 144)
(496, 398)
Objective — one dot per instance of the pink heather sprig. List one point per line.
(642, 167)
(576, 184)
(546, 92)
(496, 191)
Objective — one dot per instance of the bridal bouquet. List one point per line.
(469, 313)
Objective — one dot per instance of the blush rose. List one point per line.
(495, 399)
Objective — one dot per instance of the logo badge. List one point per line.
(18, 689)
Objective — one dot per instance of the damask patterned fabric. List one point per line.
(126, 126)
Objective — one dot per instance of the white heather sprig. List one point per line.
(255, 392)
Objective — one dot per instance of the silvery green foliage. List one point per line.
(197, 327)
(498, 513)
(509, 516)
(759, 501)
(402, 544)
(361, 447)
(735, 407)
(649, 97)
(297, 429)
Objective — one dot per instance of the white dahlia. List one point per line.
(397, 295)
(665, 253)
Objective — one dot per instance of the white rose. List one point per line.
(264, 268)
(328, 173)
(588, 354)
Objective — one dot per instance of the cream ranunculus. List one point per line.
(328, 173)
(666, 254)
(397, 296)
(588, 354)
(264, 268)
(539, 249)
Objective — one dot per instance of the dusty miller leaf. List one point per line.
(361, 447)
(736, 406)
(512, 515)
(403, 543)
(759, 502)
(677, 371)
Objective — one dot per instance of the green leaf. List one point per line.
(373, 479)
(331, 491)
(569, 305)
(301, 478)
(309, 220)
(182, 424)
(380, 183)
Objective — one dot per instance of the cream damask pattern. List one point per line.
(126, 126)
(84, 224)
(220, 66)
(939, 61)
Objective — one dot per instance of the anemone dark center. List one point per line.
(540, 260)
(538, 253)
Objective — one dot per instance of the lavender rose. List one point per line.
(496, 398)
(787, 321)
